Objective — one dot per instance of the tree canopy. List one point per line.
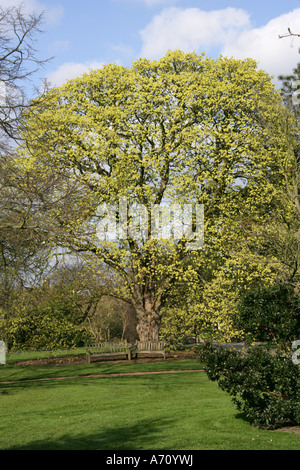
(185, 129)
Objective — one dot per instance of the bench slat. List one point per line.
(153, 347)
(122, 347)
(107, 349)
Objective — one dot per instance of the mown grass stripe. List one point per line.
(100, 376)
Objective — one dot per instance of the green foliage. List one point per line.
(177, 324)
(48, 325)
(43, 332)
(183, 129)
(219, 297)
(263, 382)
(264, 385)
(271, 314)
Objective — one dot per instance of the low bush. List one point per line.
(264, 384)
(41, 332)
(42, 323)
(270, 314)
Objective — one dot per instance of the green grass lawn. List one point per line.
(183, 411)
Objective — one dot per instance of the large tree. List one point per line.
(185, 129)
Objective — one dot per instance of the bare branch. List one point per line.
(18, 62)
(289, 34)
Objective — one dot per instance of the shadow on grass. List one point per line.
(142, 435)
(243, 418)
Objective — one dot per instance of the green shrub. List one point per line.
(270, 314)
(42, 332)
(49, 324)
(265, 385)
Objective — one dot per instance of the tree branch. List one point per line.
(290, 34)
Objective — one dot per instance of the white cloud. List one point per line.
(190, 29)
(52, 14)
(70, 70)
(276, 56)
(229, 30)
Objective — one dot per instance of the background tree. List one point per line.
(18, 62)
(23, 256)
(184, 129)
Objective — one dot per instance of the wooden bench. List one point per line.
(108, 349)
(149, 348)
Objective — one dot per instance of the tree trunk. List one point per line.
(148, 324)
(147, 303)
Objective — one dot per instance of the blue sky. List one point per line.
(83, 34)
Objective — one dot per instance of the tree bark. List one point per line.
(148, 324)
(147, 303)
